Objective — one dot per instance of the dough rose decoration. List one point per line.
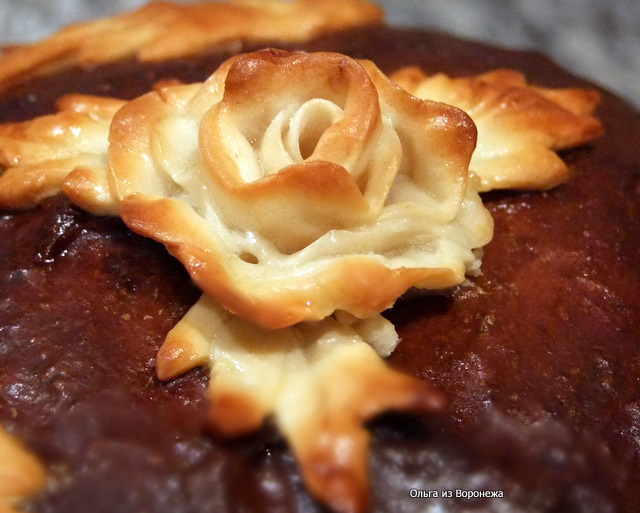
(304, 193)
(293, 185)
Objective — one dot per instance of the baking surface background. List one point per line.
(598, 40)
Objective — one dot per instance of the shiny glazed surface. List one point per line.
(539, 357)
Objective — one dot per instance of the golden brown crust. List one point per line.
(21, 474)
(520, 126)
(164, 30)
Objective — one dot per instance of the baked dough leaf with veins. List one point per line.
(520, 126)
(40, 154)
(318, 381)
(163, 30)
(304, 193)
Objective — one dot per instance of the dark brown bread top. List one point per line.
(539, 357)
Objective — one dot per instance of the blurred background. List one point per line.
(597, 39)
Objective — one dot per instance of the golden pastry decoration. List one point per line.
(373, 187)
(163, 30)
(21, 474)
(215, 184)
(371, 184)
(40, 154)
(520, 126)
(317, 381)
(304, 193)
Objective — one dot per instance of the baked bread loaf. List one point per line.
(136, 392)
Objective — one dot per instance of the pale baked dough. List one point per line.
(281, 223)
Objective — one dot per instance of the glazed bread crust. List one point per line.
(537, 358)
